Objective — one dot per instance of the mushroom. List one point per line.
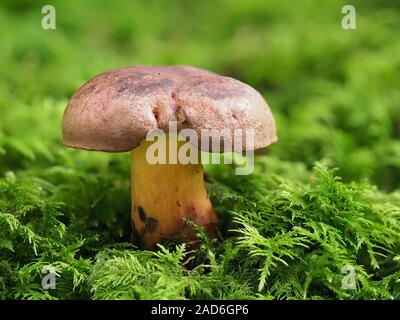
(115, 110)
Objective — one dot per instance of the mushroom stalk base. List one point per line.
(164, 196)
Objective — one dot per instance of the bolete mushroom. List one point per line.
(115, 110)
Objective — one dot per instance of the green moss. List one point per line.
(287, 239)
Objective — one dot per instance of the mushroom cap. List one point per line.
(115, 110)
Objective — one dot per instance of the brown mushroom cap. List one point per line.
(115, 110)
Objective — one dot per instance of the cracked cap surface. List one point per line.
(115, 110)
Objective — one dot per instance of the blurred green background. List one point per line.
(335, 94)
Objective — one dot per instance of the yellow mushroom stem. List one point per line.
(165, 195)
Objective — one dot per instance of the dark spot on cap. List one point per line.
(122, 88)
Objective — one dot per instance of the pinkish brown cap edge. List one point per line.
(115, 110)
